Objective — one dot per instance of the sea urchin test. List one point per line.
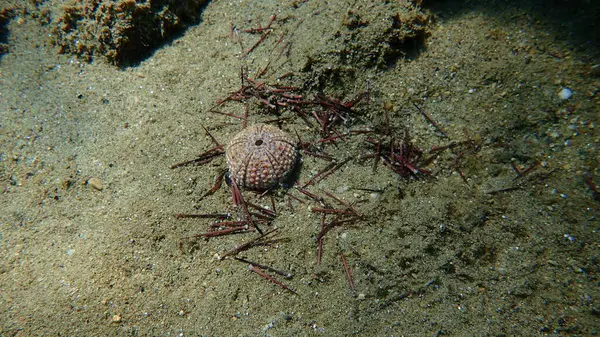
(260, 157)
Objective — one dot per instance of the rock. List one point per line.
(95, 183)
(123, 32)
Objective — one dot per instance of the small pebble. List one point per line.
(565, 93)
(95, 183)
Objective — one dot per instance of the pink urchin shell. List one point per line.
(260, 157)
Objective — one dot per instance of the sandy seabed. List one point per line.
(501, 239)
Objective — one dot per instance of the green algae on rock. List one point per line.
(124, 32)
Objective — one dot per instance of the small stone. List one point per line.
(565, 94)
(116, 319)
(95, 183)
